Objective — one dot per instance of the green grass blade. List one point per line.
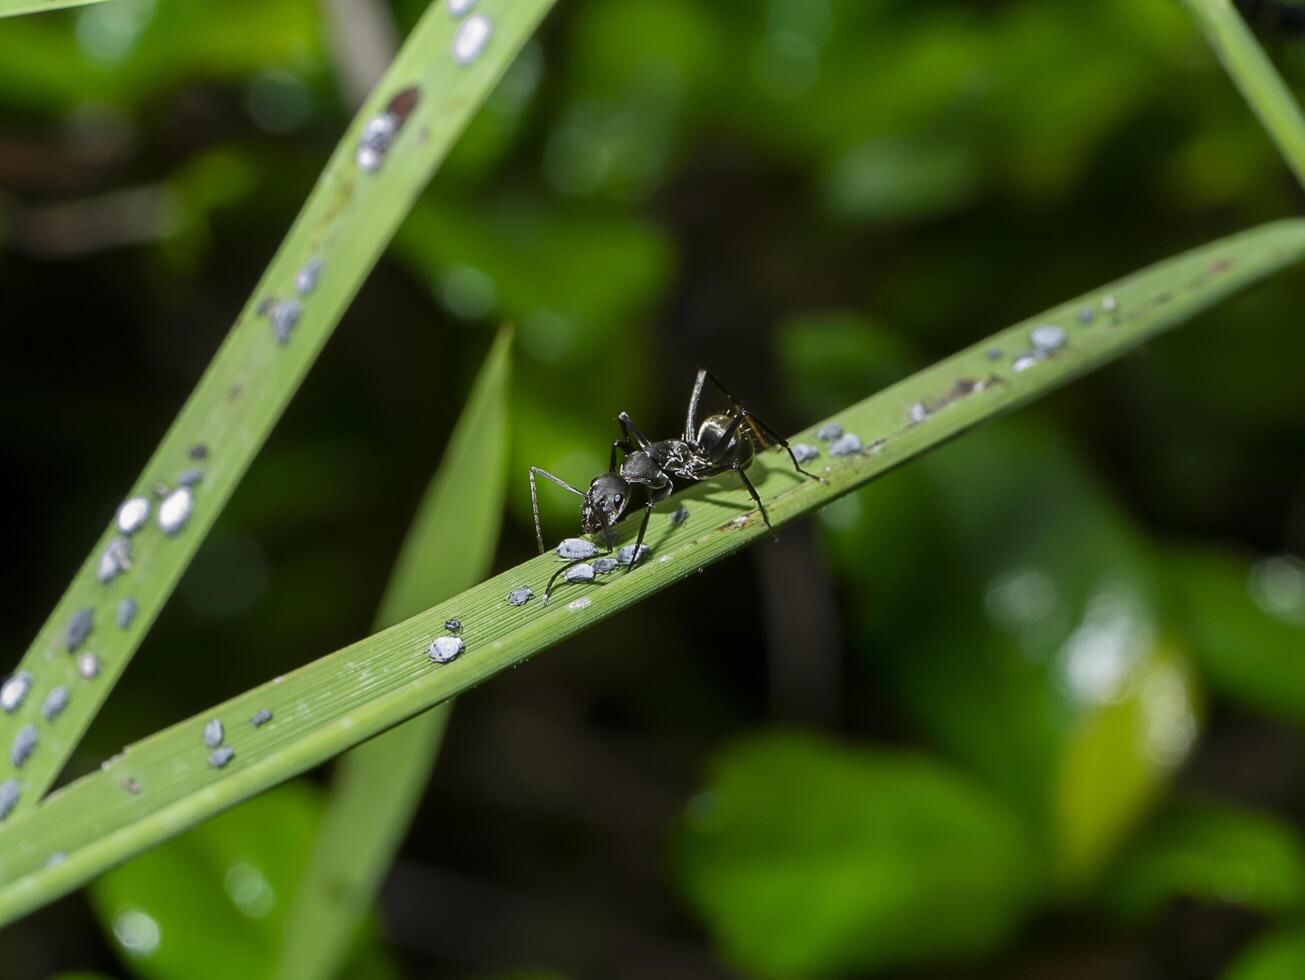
(377, 785)
(164, 783)
(346, 222)
(10, 8)
(1254, 74)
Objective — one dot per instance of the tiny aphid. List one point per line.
(1048, 337)
(382, 129)
(445, 648)
(24, 745)
(471, 38)
(284, 316)
(133, 514)
(573, 548)
(368, 159)
(306, 278)
(847, 444)
(14, 691)
(579, 573)
(126, 612)
(221, 756)
(79, 628)
(261, 717)
(805, 452)
(631, 554)
(54, 704)
(10, 793)
(213, 733)
(115, 559)
(88, 665)
(175, 510)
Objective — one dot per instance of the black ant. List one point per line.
(719, 444)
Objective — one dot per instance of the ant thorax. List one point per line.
(645, 467)
(677, 457)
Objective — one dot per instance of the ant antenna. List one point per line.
(534, 499)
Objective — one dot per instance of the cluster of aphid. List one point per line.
(717, 444)
(284, 314)
(215, 737)
(174, 508)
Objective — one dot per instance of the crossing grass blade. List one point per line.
(164, 783)
(346, 222)
(12, 8)
(377, 786)
(1252, 71)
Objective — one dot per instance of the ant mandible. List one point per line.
(717, 445)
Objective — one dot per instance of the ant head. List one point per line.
(605, 503)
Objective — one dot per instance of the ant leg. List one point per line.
(548, 589)
(691, 419)
(753, 490)
(655, 496)
(755, 420)
(705, 375)
(775, 437)
(534, 499)
(631, 431)
(727, 436)
(643, 527)
(622, 445)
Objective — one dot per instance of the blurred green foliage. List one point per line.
(1062, 616)
(1037, 651)
(1279, 956)
(1210, 852)
(1247, 625)
(212, 903)
(864, 860)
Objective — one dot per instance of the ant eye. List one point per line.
(616, 501)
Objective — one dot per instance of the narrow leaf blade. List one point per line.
(346, 222)
(11, 8)
(1254, 74)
